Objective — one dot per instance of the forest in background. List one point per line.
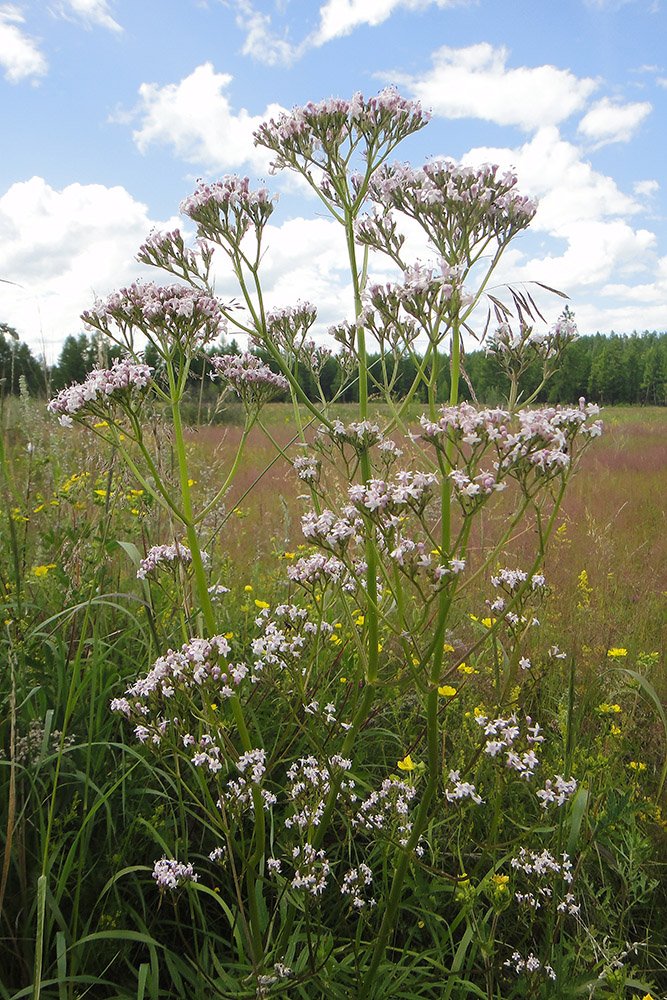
(618, 369)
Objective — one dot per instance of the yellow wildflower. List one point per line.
(464, 668)
(43, 570)
(447, 691)
(261, 604)
(500, 879)
(617, 652)
(407, 764)
(248, 588)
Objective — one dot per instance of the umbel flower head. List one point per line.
(225, 210)
(325, 134)
(254, 381)
(103, 387)
(460, 208)
(173, 317)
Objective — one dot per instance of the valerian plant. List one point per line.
(369, 820)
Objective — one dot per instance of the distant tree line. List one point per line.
(612, 370)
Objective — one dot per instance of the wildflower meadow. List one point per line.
(332, 700)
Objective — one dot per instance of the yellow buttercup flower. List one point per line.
(617, 652)
(447, 691)
(261, 604)
(500, 879)
(407, 764)
(464, 668)
(43, 570)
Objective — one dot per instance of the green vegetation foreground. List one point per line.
(402, 756)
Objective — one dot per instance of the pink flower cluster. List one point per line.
(170, 315)
(407, 489)
(422, 289)
(252, 380)
(541, 445)
(323, 127)
(226, 209)
(168, 251)
(102, 387)
(160, 554)
(459, 207)
(320, 569)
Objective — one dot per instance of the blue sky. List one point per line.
(111, 109)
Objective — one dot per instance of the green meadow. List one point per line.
(85, 813)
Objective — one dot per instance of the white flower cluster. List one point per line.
(388, 809)
(461, 789)
(196, 666)
(559, 791)
(311, 869)
(320, 569)
(284, 639)
(307, 468)
(529, 965)
(354, 883)
(102, 387)
(171, 874)
(160, 554)
(541, 870)
(308, 786)
(503, 735)
(239, 791)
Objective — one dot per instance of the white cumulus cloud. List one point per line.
(646, 189)
(261, 42)
(341, 17)
(476, 82)
(63, 248)
(19, 53)
(196, 119)
(609, 121)
(586, 217)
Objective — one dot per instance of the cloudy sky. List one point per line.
(111, 109)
